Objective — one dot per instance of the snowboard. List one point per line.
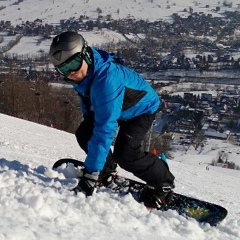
(189, 207)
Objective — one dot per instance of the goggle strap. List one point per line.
(86, 56)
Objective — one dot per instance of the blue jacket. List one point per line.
(116, 93)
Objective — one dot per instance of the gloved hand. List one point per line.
(87, 182)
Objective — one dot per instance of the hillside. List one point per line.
(53, 11)
(35, 27)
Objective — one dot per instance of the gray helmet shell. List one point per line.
(64, 46)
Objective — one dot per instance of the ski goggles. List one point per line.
(73, 64)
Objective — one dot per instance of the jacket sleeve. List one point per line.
(107, 99)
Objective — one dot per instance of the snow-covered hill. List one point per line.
(35, 202)
(54, 10)
(51, 12)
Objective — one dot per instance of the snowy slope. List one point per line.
(35, 202)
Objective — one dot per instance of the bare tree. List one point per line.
(38, 102)
(200, 138)
(222, 157)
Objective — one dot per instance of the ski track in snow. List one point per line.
(36, 202)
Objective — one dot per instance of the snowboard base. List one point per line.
(189, 207)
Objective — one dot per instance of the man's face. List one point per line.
(79, 75)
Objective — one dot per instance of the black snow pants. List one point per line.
(127, 149)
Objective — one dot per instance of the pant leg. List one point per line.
(84, 134)
(128, 154)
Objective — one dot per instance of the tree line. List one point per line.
(39, 102)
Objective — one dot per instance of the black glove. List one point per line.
(87, 182)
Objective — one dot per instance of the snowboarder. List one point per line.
(112, 97)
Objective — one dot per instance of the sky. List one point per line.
(35, 201)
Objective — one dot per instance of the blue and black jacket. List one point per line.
(113, 92)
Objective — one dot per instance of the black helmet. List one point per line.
(65, 45)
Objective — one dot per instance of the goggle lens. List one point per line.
(71, 65)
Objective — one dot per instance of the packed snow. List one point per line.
(36, 202)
